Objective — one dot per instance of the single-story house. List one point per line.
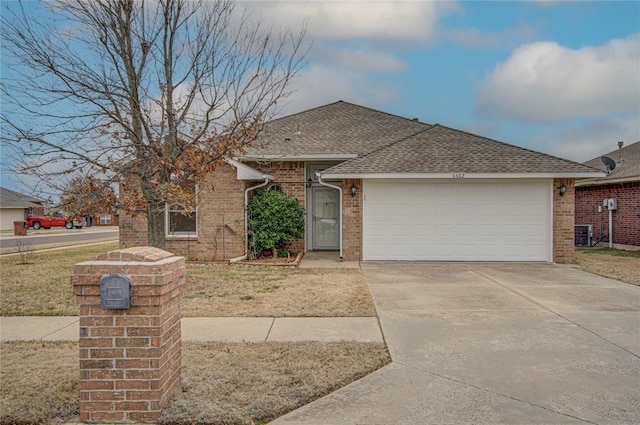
(15, 206)
(376, 186)
(621, 183)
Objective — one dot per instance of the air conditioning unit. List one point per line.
(583, 235)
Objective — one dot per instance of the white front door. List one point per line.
(326, 218)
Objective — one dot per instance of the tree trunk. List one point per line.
(155, 227)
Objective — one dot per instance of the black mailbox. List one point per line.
(115, 291)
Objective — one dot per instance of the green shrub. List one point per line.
(274, 221)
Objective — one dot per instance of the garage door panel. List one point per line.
(460, 221)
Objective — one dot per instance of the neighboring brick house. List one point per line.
(377, 186)
(15, 206)
(102, 219)
(622, 184)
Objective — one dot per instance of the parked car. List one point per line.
(48, 222)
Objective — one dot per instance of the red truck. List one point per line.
(48, 222)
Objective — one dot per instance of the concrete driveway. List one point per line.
(495, 343)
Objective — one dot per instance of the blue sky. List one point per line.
(554, 76)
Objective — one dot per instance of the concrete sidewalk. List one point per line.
(226, 329)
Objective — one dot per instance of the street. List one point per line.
(59, 235)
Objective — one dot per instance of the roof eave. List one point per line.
(596, 182)
(244, 172)
(299, 157)
(566, 175)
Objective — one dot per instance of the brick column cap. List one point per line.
(142, 254)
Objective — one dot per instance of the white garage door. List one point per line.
(457, 221)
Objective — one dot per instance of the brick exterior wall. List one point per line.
(626, 219)
(563, 222)
(220, 222)
(351, 221)
(130, 358)
(221, 216)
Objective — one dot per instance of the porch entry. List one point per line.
(325, 216)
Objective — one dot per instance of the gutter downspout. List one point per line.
(246, 221)
(339, 191)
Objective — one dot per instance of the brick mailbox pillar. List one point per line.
(129, 356)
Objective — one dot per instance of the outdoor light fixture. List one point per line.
(354, 190)
(563, 189)
(309, 183)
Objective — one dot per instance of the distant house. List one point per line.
(622, 184)
(15, 206)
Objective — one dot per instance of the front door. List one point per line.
(326, 218)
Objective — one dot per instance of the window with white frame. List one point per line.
(105, 219)
(181, 221)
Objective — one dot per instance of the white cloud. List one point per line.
(341, 20)
(544, 82)
(353, 42)
(588, 140)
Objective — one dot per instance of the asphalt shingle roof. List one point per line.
(337, 128)
(12, 199)
(441, 149)
(629, 168)
(386, 143)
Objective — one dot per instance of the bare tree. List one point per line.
(154, 92)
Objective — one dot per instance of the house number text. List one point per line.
(458, 175)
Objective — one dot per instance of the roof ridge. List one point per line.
(513, 146)
(622, 150)
(351, 104)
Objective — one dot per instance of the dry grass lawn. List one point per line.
(223, 383)
(221, 290)
(42, 287)
(230, 383)
(615, 264)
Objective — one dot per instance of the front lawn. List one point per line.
(222, 383)
(42, 288)
(611, 263)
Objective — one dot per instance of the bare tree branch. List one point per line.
(155, 90)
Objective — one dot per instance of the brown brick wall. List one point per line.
(351, 221)
(129, 359)
(626, 219)
(563, 221)
(220, 222)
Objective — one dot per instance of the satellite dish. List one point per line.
(609, 163)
